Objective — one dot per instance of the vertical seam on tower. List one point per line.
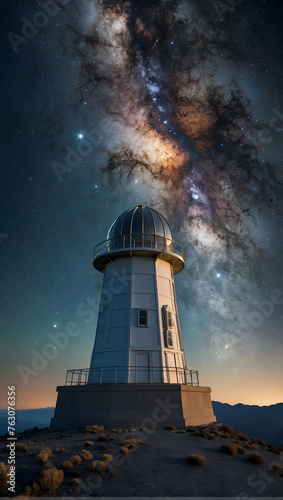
(132, 220)
(122, 227)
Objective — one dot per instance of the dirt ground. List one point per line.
(157, 467)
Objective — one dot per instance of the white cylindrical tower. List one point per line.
(138, 338)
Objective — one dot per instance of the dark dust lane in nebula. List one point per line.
(179, 119)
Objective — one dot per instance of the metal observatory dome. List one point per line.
(140, 230)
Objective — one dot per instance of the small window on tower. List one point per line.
(169, 319)
(168, 339)
(142, 317)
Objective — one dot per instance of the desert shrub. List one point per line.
(107, 457)
(88, 443)
(228, 430)
(256, 458)
(44, 455)
(250, 446)
(260, 441)
(278, 469)
(22, 447)
(86, 455)
(48, 465)
(99, 466)
(242, 436)
(75, 483)
(195, 459)
(4, 469)
(211, 436)
(229, 449)
(240, 449)
(102, 447)
(130, 444)
(117, 431)
(170, 428)
(67, 464)
(49, 481)
(94, 428)
(75, 459)
(60, 450)
(105, 437)
(124, 450)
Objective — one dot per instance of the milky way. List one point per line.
(177, 124)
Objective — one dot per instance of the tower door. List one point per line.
(142, 367)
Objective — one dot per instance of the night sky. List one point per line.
(177, 105)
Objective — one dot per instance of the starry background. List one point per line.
(177, 105)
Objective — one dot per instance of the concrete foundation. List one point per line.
(126, 405)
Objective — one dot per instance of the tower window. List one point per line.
(168, 339)
(169, 319)
(142, 317)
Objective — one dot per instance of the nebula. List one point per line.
(178, 118)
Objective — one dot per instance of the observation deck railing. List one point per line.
(132, 374)
(138, 240)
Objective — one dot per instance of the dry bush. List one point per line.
(67, 464)
(117, 431)
(102, 447)
(75, 459)
(107, 457)
(49, 481)
(249, 446)
(22, 447)
(105, 437)
(211, 436)
(278, 469)
(256, 458)
(260, 441)
(86, 455)
(89, 443)
(60, 450)
(124, 450)
(170, 428)
(242, 436)
(240, 449)
(130, 444)
(75, 483)
(94, 429)
(229, 430)
(4, 470)
(99, 466)
(229, 449)
(48, 465)
(44, 455)
(195, 459)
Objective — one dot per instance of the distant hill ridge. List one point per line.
(261, 422)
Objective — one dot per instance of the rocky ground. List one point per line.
(123, 462)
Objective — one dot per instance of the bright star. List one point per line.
(218, 275)
(55, 326)
(80, 136)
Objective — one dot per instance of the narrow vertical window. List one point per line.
(142, 317)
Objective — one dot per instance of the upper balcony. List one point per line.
(139, 244)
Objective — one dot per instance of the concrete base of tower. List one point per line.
(124, 405)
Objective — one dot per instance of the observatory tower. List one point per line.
(138, 361)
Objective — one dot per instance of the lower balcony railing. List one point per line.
(132, 375)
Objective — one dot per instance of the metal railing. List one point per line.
(139, 240)
(132, 374)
